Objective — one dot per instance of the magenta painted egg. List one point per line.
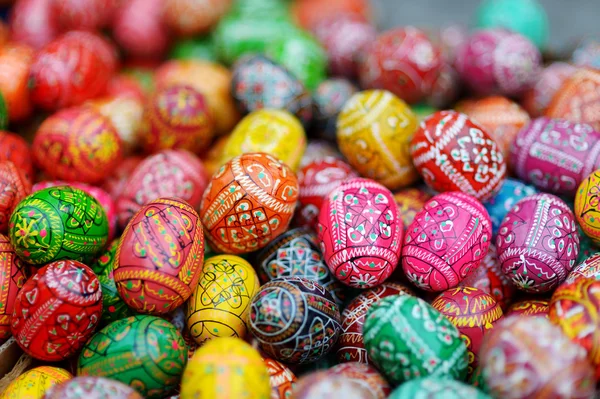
(446, 241)
(497, 61)
(360, 233)
(538, 243)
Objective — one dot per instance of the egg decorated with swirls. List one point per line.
(91, 388)
(282, 379)
(220, 303)
(510, 193)
(14, 186)
(145, 352)
(34, 383)
(12, 278)
(435, 388)
(529, 307)
(248, 202)
(58, 223)
(159, 258)
(57, 310)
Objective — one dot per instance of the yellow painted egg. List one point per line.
(587, 209)
(226, 368)
(34, 383)
(220, 304)
(275, 132)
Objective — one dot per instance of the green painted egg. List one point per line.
(58, 223)
(145, 352)
(113, 307)
(197, 48)
(406, 339)
(3, 113)
(433, 388)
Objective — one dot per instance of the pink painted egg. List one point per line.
(447, 240)
(538, 243)
(139, 28)
(360, 233)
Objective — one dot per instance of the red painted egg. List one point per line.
(350, 346)
(82, 14)
(57, 310)
(365, 375)
(139, 28)
(529, 307)
(538, 97)
(453, 153)
(159, 259)
(14, 186)
(360, 233)
(410, 201)
(316, 180)
(15, 149)
(176, 173)
(77, 144)
(193, 17)
(31, 22)
(281, 378)
(12, 278)
(403, 61)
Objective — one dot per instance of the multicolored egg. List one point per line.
(15, 149)
(556, 367)
(350, 347)
(446, 241)
(453, 153)
(529, 307)
(12, 278)
(275, 132)
(170, 173)
(34, 383)
(587, 209)
(360, 233)
(374, 130)
(364, 375)
(295, 320)
(589, 268)
(248, 203)
(68, 295)
(555, 155)
(58, 223)
(192, 17)
(145, 352)
(281, 378)
(220, 303)
(436, 388)
(91, 388)
(406, 338)
(296, 253)
(537, 99)
(410, 201)
(228, 368)
(538, 243)
(329, 99)
(14, 186)
(323, 385)
(511, 192)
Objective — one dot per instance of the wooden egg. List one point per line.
(435, 388)
(15, 149)
(529, 307)
(220, 303)
(34, 383)
(510, 193)
(12, 278)
(281, 378)
(67, 294)
(587, 210)
(91, 388)
(14, 186)
(365, 375)
(145, 352)
(248, 202)
(589, 268)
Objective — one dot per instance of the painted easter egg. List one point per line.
(589, 268)
(406, 338)
(296, 253)
(68, 294)
(322, 384)
(14, 186)
(587, 209)
(555, 155)
(498, 61)
(170, 173)
(511, 192)
(258, 82)
(403, 61)
(575, 308)
(281, 378)
(58, 223)
(446, 241)
(139, 28)
(12, 278)
(316, 180)
(14, 148)
(350, 346)
(275, 132)
(145, 352)
(177, 117)
(537, 99)
(91, 388)
(295, 320)
(410, 201)
(529, 307)
(34, 383)
(77, 144)
(538, 243)
(435, 388)
(329, 100)
(220, 303)
(248, 203)
(556, 366)
(192, 17)
(365, 375)
(453, 153)
(473, 312)
(374, 130)
(360, 233)
(31, 22)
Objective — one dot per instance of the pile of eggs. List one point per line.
(269, 199)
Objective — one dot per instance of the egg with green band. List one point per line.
(58, 223)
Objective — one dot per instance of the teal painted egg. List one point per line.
(58, 223)
(433, 388)
(145, 352)
(407, 339)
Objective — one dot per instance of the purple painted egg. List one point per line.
(446, 241)
(538, 243)
(555, 155)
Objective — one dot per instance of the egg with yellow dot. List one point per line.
(220, 303)
(34, 383)
(226, 368)
(587, 206)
